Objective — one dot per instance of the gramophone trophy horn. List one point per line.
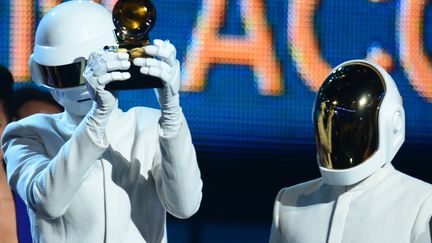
(133, 20)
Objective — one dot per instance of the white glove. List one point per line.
(98, 74)
(164, 65)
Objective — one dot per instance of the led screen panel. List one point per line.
(251, 68)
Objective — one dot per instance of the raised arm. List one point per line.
(178, 177)
(47, 185)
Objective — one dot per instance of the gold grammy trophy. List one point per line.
(133, 20)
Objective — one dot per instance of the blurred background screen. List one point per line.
(250, 72)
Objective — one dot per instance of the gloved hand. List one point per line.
(98, 74)
(164, 65)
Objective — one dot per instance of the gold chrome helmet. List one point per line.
(359, 122)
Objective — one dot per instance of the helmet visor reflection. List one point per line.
(64, 76)
(346, 116)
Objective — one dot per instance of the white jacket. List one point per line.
(74, 195)
(387, 207)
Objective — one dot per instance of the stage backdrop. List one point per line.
(251, 68)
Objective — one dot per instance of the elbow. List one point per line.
(187, 205)
(45, 206)
(189, 209)
(48, 210)
(50, 213)
(192, 204)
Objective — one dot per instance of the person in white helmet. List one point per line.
(95, 173)
(360, 125)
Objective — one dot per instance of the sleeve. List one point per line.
(275, 233)
(178, 178)
(47, 185)
(421, 232)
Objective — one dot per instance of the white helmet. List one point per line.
(65, 38)
(359, 122)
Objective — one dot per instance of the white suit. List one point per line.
(80, 190)
(95, 173)
(387, 207)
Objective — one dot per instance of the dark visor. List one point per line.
(64, 76)
(346, 116)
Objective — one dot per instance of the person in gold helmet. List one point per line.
(359, 125)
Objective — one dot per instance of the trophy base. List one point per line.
(136, 81)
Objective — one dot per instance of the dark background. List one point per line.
(239, 191)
